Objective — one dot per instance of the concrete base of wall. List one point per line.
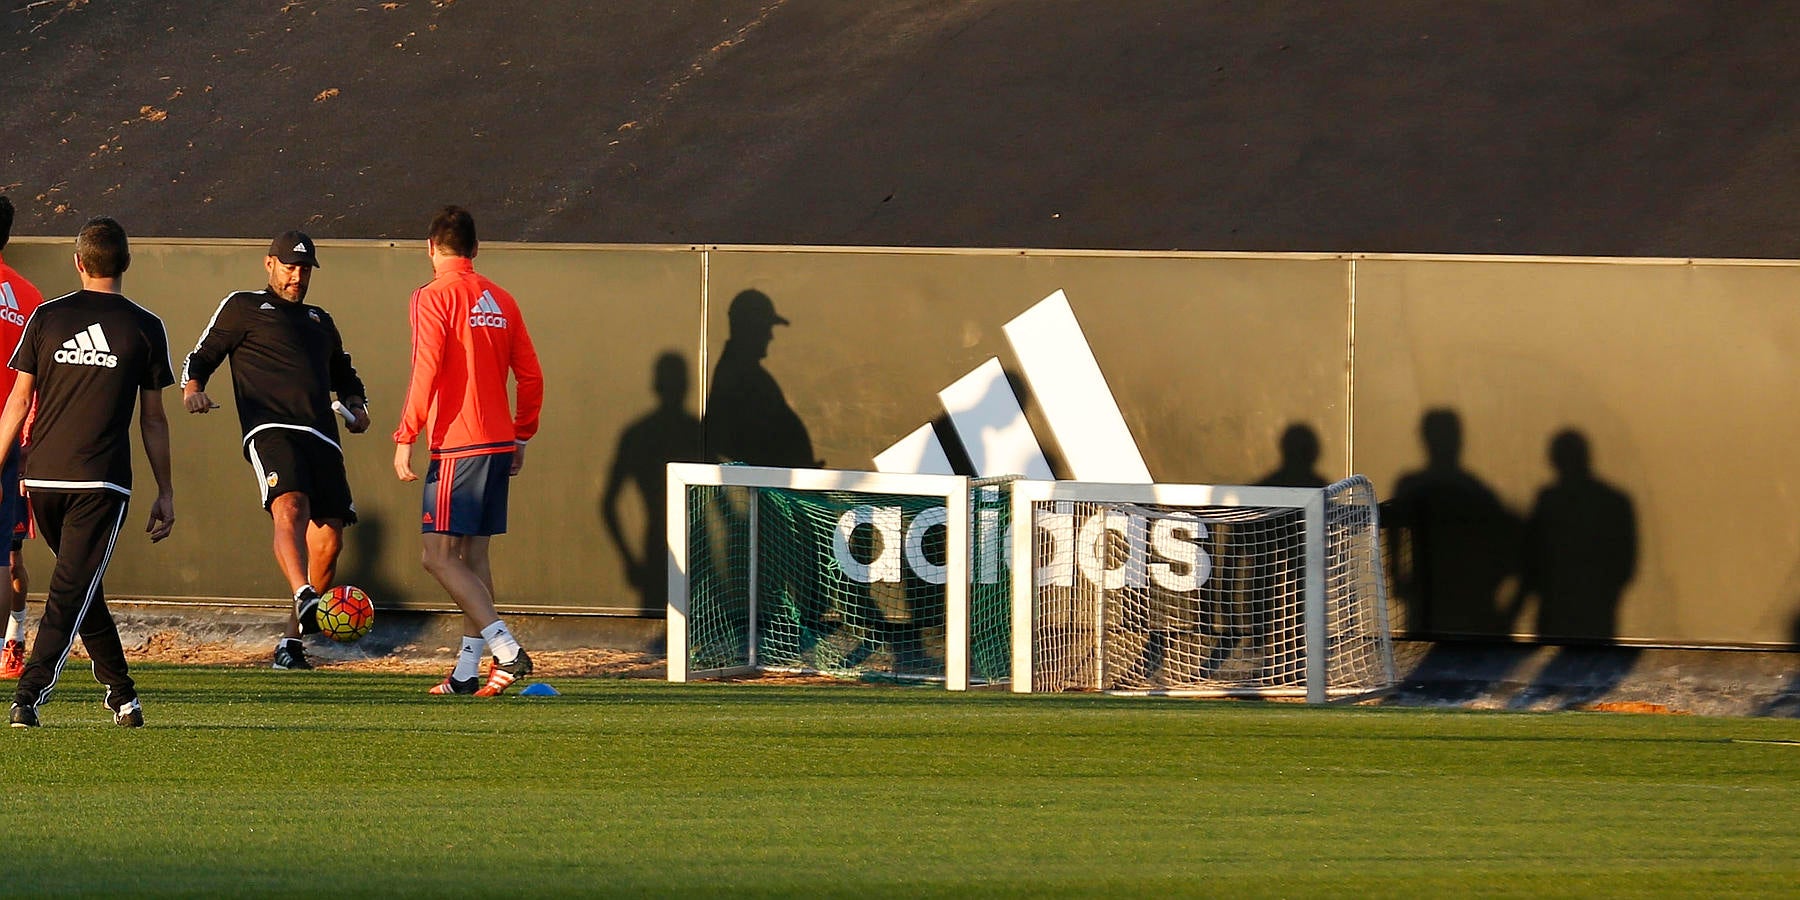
(1527, 677)
(1450, 675)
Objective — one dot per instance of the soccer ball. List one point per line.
(346, 613)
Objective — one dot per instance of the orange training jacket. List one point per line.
(467, 335)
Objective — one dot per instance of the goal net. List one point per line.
(1195, 589)
(857, 574)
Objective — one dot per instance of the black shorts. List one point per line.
(466, 495)
(288, 460)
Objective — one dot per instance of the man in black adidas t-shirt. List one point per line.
(287, 358)
(89, 358)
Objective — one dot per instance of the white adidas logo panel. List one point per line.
(88, 348)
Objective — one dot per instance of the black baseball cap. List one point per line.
(754, 307)
(294, 248)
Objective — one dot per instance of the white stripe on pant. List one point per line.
(81, 528)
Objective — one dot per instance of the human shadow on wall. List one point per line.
(748, 418)
(1453, 543)
(1299, 460)
(1282, 571)
(1580, 553)
(1247, 584)
(668, 433)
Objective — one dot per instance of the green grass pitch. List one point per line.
(251, 782)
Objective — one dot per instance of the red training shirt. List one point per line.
(467, 335)
(18, 299)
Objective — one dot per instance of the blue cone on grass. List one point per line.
(538, 689)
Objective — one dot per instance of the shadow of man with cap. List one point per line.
(748, 418)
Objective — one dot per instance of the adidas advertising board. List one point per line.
(88, 348)
(1111, 550)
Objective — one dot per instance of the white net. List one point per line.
(851, 583)
(1205, 599)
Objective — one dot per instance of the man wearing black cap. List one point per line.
(287, 359)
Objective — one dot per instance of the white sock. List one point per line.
(302, 589)
(15, 626)
(468, 659)
(501, 641)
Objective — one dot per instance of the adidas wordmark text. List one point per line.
(88, 348)
(488, 313)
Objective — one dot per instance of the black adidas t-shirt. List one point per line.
(91, 353)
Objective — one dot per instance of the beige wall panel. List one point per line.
(601, 319)
(1211, 359)
(1678, 379)
(1674, 379)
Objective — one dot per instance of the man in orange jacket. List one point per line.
(468, 335)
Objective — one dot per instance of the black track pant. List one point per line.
(80, 527)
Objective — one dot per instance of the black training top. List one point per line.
(91, 353)
(286, 359)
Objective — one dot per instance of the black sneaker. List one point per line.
(306, 609)
(290, 655)
(455, 686)
(24, 716)
(126, 714)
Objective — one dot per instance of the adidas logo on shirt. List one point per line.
(487, 313)
(88, 348)
(9, 305)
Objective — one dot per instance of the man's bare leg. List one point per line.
(324, 541)
(444, 560)
(292, 513)
(460, 564)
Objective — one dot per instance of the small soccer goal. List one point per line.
(1198, 589)
(853, 574)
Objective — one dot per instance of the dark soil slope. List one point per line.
(1639, 128)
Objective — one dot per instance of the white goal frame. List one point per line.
(1310, 501)
(952, 489)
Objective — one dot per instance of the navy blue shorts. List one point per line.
(467, 495)
(15, 515)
